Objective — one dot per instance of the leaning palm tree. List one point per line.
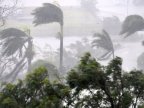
(104, 41)
(16, 44)
(50, 13)
(132, 24)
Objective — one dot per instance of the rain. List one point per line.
(71, 54)
(59, 32)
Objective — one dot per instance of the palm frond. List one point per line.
(14, 41)
(104, 41)
(12, 45)
(7, 33)
(132, 24)
(47, 14)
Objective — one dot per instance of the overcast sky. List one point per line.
(63, 2)
(105, 6)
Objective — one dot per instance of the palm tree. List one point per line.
(104, 41)
(50, 13)
(16, 44)
(132, 24)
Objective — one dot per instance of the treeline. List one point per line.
(88, 85)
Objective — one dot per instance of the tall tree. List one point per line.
(36, 91)
(88, 85)
(50, 13)
(97, 86)
(16, 44)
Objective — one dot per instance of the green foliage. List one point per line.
(52, 70)
(141, 106)
(108, 86)
(35, 91)
(88, 85)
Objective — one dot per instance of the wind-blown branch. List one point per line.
(104, 41)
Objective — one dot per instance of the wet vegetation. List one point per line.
(89, 85)
(85, 73)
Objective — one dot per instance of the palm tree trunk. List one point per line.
(29, 64)
(29, 54)
(61, 51)
(113, 53)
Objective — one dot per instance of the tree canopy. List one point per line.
(88, 85)
(16, 52)
(47, 14)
